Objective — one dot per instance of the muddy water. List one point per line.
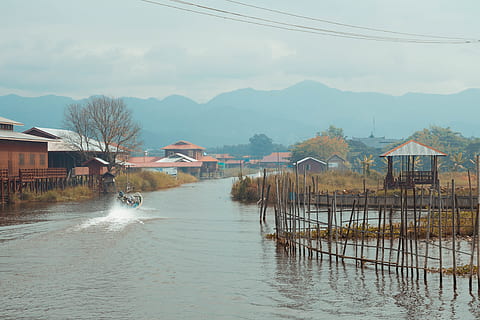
(190, 253)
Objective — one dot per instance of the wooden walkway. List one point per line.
(34, 180)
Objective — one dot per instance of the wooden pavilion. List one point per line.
(409, 173)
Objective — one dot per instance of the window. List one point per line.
(42, 159)
(32, 159)
(21, 159)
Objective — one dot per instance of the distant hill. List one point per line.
(287, 116)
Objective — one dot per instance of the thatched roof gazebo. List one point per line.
(408, 175)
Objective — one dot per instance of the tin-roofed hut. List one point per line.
(409, 175)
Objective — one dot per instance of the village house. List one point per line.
(276, 160)
(64, 150)
(20, 150)
(311, 165)
(336, 162)
(24, 162)
(181, 156)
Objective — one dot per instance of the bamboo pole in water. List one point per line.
(336, 224)
(425, 266)
(378, 236)
(277, 207)
(349, 227)
(311, 194)
(440, 234)
(384, 227)
(415, 230)
(454, 235)
(400, 234)
(266, 204)
(364, 224)
(478, 224)
(262, 198)
(474, 233)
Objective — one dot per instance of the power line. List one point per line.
(344, 24)
(294, 27)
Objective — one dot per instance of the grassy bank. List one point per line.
(58, 195)
(151, 180)
(140, 181)
(346, 182)
(249, 189)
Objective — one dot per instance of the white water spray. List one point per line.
(117, 218)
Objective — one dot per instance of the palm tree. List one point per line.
(367, 161)
(458, 161)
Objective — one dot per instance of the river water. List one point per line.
(191, 253)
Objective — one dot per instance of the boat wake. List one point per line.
(117, 219)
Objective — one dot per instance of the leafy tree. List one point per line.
(260, 145)
(333, 132)
(448, 141)
(104, 123)
(321, 147)
(444, 139)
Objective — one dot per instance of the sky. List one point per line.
(132, 48)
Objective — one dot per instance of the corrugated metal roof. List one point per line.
(100, 160)
(8, 121)
(311, 158)
(179, 157)
(413, 148)
(67, 140)
(19, 136)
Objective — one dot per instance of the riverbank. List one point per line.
(144, 181)
(248, 189)
(139, 181)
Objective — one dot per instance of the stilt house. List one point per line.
(403, 170)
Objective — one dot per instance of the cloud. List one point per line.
(137, 49)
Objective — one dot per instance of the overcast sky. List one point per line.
(139, 49)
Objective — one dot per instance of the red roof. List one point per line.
(208, 159)
(277, 157)
(195, 164)
(143, 159)
(183, 145)
(413, 148)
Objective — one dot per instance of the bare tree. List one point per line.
(104, 125)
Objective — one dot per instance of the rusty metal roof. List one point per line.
(183, 145)
(413, 148)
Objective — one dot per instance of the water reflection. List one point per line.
(192, 253)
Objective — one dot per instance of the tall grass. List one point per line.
(151, 180)
(248, 189)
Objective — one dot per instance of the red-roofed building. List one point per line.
(184, 147)
(20, 150)
(181, 156)
(276, 160)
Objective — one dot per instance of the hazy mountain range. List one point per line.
(287, 116)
